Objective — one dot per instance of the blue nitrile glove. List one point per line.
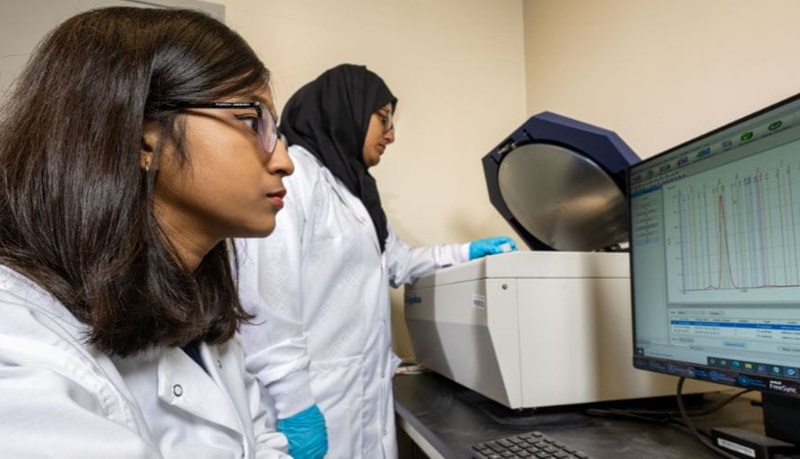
(491, 246)
(306, 432)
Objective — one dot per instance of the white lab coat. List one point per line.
(62, 398)
(319, 289)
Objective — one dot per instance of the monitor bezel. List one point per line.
(780, 391)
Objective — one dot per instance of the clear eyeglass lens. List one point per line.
(388, 122)
(269, 132)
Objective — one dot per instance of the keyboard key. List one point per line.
(528, 445)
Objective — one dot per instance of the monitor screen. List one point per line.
(715, 255)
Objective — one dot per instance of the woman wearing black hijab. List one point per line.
(318, 286)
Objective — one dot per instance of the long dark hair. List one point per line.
(76, 207)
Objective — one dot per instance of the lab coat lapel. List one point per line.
(356, 206)
(185, 386)
(224, 369)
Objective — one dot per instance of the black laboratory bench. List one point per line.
(443, 418)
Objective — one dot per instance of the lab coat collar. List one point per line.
(183, 384)
(350, 200)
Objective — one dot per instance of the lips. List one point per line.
(277, 197)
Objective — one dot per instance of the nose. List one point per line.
(280, 163)
(389, 135)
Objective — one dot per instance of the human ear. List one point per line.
(150, 138)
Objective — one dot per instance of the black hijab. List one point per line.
(329, 117)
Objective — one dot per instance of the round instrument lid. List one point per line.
(560, 183)
(562, 198)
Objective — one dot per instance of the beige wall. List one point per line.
(659, 72)
(457, 67)
(468, 72)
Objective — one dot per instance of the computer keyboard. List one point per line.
(534, 445)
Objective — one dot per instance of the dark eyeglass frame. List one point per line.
(387, 121)
(267, 127)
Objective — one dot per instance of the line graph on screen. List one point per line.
(737, 231)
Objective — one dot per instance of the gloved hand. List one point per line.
(306, 432)
(491, 246)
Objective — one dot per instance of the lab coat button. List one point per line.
(177, 390)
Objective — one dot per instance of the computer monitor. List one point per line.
(715, 260)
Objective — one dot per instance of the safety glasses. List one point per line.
(387, 121)
(266, 127)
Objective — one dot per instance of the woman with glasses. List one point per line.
(135, 144)
(321, 341)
